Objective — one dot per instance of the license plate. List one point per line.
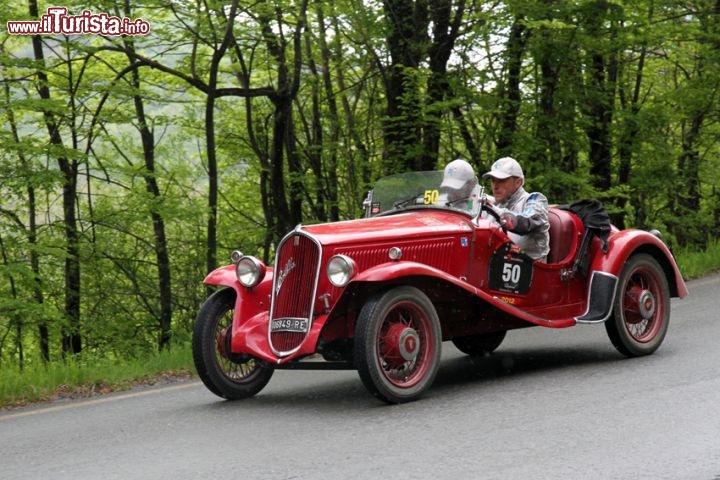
(289, 325)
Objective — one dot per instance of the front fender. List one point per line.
(251, 337)
(389, 271)
(396, 270)
(249, 302)
(223, 276)
(625, 243)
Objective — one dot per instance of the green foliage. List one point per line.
(640, 79)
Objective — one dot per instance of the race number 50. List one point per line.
(511, 273)
(430, 197)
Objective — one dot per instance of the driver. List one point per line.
(524, 215)
(460, 184)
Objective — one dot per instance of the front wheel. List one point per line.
(224, 373)
(398, 344)
(641, 312)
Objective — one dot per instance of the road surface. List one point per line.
(549, 404)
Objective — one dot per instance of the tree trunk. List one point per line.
(600, 93)
(628, 137)
(43, 332)
(358, 166)
(407, 43)
(162, 256)
(71, 338)
(16, 318)
(287, 212)
(211, 148)
(510, 95)
(328, 178)
(445, 32)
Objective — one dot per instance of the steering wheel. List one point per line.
(491, 210)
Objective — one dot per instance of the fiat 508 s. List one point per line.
(381, 294)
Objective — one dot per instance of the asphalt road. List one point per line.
(550, 404)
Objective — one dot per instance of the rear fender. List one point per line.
(606, 268)
(626, 243)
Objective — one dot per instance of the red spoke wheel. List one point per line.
(641, 312)
(226, 374)
(398, 344)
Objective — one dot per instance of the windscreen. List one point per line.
(420, 190)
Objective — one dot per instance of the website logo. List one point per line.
(57, 21)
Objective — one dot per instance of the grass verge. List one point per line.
(696, 264)
(90, 377)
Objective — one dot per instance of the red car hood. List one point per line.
(415, 224)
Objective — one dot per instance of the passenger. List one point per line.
(523, 214)
(459, 184)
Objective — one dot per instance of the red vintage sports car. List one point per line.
(381, 294)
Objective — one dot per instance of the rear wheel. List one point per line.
(641, 312)
(398, 344)
(228, 375)
(479, 345)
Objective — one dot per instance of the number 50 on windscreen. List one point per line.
(431, 197)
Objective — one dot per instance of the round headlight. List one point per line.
(249, 271)
(340, 269)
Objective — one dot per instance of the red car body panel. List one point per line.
(391, 227)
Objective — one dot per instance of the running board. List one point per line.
(600, 299)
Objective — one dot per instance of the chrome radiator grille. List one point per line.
(297, 267)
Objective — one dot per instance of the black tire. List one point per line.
(227, 375)
(398, 344)
(481, 344)
(641, 311)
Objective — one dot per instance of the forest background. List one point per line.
(130, 166)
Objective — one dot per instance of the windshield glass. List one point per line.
(419, 190)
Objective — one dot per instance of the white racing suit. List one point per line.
(530, 227)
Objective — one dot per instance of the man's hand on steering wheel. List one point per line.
(487, 206)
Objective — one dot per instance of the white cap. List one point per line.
(503, 168)
(457, 173)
